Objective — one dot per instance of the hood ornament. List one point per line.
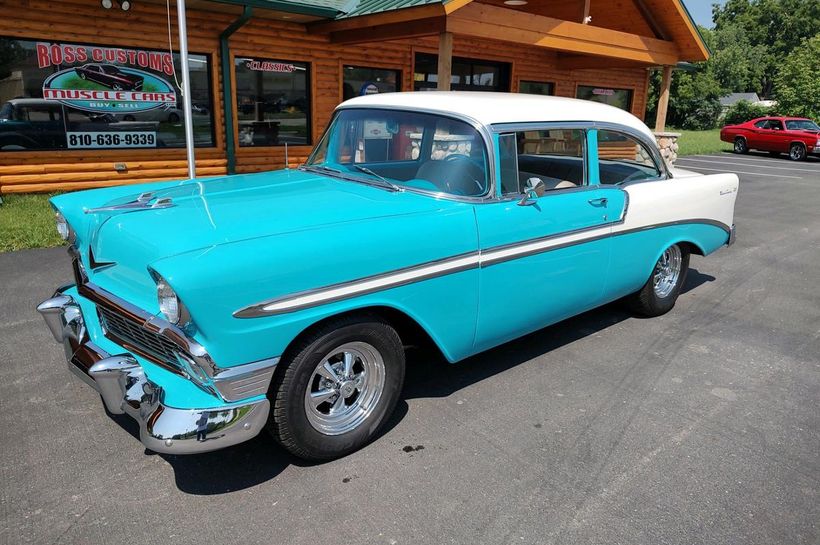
(145, 201)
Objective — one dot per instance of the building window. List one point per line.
(620, 98)
(536, 87)
(467, 74)
(273, 102)
(360, 81)
(78, 96)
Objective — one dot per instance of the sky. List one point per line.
(701, 10)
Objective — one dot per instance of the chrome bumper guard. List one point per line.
(125, 389)
(732, 236)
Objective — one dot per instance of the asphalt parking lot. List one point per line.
(702, 426)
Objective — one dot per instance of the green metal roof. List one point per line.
(356, 8)
(333, 9)
(329, 9)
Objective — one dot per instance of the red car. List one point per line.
(797, 136)
(110, 76)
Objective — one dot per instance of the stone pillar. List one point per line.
(668, 143)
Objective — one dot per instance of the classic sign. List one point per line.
(211, 310)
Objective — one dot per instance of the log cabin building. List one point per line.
(89, 91)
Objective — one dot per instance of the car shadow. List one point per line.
(766, 154)
(428, 375)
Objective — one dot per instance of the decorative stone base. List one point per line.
(668, 143)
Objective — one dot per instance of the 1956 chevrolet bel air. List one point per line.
(210, 309)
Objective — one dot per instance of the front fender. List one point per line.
(216, 282)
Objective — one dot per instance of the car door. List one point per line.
(543, 258)
(776, 138)
(757, 134)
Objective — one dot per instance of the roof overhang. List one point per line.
(677, 38)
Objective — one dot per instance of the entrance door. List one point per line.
(543, 258)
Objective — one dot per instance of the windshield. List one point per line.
(801, 125)
(404, 150)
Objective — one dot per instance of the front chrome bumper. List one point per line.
(125, 389)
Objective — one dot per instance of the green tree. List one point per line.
(693, 98)
(10, 53)
(797, 84)
(775, 26)
(736, 63)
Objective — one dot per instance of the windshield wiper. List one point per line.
(384, 181)
(323, 168)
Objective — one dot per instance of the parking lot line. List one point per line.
(695, 167)
(752, 159)
(748, 164)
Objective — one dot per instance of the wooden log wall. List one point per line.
(145, 26)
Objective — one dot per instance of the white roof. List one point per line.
(491, 108)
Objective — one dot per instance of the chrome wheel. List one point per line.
(740, 145)
(797, 152)
(667, 271)
(345, 388)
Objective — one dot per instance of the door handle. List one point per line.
(598, 202)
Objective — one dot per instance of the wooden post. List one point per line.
(445, 60)
(663, 99)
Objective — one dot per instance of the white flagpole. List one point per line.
(186, 89)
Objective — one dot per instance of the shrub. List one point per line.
(693, 114)
(743, 110)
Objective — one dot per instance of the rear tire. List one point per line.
(797, 152)
(336, 389)
(659, 294)
(740, 145)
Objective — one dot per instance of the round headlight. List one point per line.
(62, 226)
(168, 301)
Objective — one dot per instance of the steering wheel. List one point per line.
(473, 170)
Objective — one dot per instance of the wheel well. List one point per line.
(692, 247)
(409, 330)
(799, 143)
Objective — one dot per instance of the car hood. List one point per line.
(204, 214)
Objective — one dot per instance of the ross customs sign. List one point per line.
(107, 84)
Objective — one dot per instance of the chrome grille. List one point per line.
(151, 345)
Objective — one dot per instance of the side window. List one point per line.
(554, 156)
(775, 125)
(622, 158)
(762, 124)
(43, 113)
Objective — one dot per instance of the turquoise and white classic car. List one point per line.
(209, 310)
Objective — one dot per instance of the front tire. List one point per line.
(797, 152)
(659, 294)
(740, 145)
(336, 389)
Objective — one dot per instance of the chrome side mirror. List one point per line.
(535, 188)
